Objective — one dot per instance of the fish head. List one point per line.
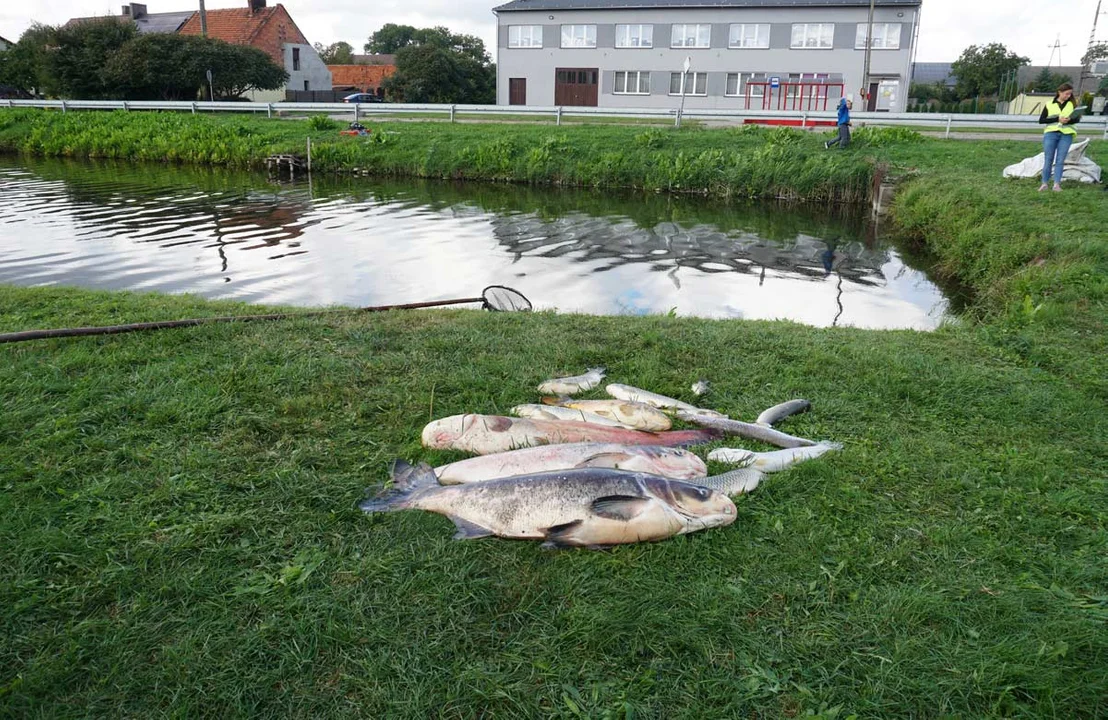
(699, 507)
(444, 434)
(674, 462)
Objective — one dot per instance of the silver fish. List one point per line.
(627, 392)
(744, 429)
(590, 507)
(575, 384)
(636, 415)
(777, 413)
(775, 461)
(732, 483)
(668, 462)
(701, 387)
(557, 412)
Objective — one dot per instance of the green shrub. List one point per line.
(322, 123)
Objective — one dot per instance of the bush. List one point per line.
(322, 123)
(883, 136)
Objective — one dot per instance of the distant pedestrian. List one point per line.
(843, 123)
(1059, 116)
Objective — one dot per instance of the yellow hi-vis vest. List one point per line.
(1052, 109)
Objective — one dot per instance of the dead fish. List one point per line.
(701, 387)
(736, 482)
(747, 430)
(775, 461)
(487, 434)
(777, 413)
(665, 461)
(589, 507)
(627, 392)
(555, 412)
(636, 415)
(575, 384)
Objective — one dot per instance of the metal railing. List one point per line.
(942, 122)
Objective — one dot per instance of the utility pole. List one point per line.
(869, 47)
(203, 20)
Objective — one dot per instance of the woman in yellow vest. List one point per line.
(1058, 135)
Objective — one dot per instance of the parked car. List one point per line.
(362, 98)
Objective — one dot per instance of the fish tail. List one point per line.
(407, 480)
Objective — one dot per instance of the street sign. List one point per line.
(775, 82)
(209, 74)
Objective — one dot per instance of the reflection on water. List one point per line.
(359, 242)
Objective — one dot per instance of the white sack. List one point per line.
(1078, 167)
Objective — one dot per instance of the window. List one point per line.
(813, 35)
(525, 36)
(691, 36)
(749, 36)
(634, 36)
(737, 84)
(578, 36)
(695, 83)
(306, 85)
(632, 82)
(295, 59)
(886, 36)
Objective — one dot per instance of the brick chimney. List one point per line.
(255, 5)
(134, 11)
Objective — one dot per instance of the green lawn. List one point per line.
(179, 534)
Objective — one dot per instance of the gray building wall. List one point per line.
(312, 69)
(538, 65)
(4, 44)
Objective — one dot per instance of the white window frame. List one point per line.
(761, 36)
(645, 36)
(744, 78)
(533, 36)
(886, 36)
(580, 36)
(690, 82)
(811, 41)
(699, 42)
(639, 76)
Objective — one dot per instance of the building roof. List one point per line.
(929, 73)
(520, 5)
(378, 59)
(169, 22)
(240, 26)
(359, 76)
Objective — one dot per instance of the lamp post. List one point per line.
(869, 46)
(684, 74)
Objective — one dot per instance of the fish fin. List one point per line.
(555, 399)
(557, 536)
(604, 460)
(407, 479)
(619, 507)
(467, 530)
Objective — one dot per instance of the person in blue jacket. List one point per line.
(843, 123)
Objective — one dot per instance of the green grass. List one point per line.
(178, 532)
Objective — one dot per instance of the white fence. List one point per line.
(358, 110)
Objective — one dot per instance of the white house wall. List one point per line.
(538, 65)
(312, 69)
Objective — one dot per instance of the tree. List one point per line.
(1096, 52)
(80, 50)
(339, 53)
(980, 70)
(390, 38)
(434, 65)
(23, 65)
(161, 66)
(1047, 81)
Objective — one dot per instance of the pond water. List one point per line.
(224, 234)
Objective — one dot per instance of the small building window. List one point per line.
(295, 59)
(691, 36)
(632, 82)
(306, 85)
(738, 83)
(525, 36)
(813, 36)
(749, 36)
(634, 36)
(695, 83)
(886, 36)
(578, 36)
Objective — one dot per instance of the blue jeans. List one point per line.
(1055, 147)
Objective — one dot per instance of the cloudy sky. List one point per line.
(948, 25)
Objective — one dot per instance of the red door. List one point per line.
(577, 86)
(517, 91)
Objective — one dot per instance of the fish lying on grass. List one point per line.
(668, 462)
(636, 415)
(744, 429)
(627, 392)
(775, 461)
(777, 413)
(589, 507)
(487, 434)
(735, 482)
(556, 412)
(575, 384)
(701, 387)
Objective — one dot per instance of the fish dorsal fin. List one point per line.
(604, 460)
(468, 530)
(620, 507)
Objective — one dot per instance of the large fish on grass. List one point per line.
(746, 430)
(487, 434)
(634, 394)
(635, 415)
(573, 385)
(777, 413)
(559, 412)
(665, 461)
(775, 461)
(591, 507)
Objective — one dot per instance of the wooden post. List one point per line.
(309, 157)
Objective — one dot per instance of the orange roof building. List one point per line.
(364, 78)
